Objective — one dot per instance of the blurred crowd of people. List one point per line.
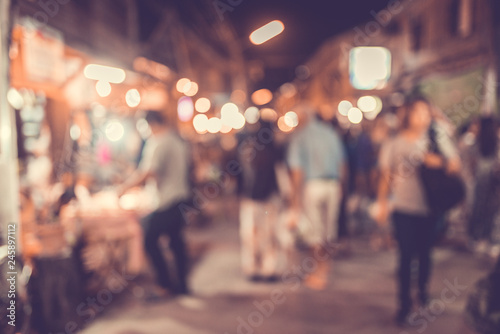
(315, 188)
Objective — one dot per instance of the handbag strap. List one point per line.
(433, 144)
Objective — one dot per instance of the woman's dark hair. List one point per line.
(155, 117)
(488, 136)
(408, 108)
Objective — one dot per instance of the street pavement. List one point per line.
(360, 297)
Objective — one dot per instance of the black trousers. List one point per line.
(415, 236)
(169, 222)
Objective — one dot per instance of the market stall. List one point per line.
(80, 133)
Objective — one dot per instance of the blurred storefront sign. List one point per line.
(369, 67)
(463, 95)
(43, 53)
(448, 55)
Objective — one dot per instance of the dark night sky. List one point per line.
(308, 23)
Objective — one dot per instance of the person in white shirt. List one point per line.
(166, 160)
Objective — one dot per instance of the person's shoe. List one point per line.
(402, 317)
(271, 279)
(494, 251)
(316, 282)
(183, 291)
(255, 278)
(157, 295)
(423, 299)
(481, 248)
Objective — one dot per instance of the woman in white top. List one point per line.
(414, 224)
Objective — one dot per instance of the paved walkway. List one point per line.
(359, 298)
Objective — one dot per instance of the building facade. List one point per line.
(442, 48)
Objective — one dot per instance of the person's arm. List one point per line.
(383, 197)
(449, 150)
(137, 178)
(297, 187)
(384, 185)
(294, 160)
(143, 172)
(344, 177)
(344, 165)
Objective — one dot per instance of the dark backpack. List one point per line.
(443, 191)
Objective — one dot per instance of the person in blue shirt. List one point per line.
(317, 162)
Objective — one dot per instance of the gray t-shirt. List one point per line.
(402, 158)
(167, 156)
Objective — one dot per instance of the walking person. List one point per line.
(165, 160)
(486, 200)
(414, 223)
(260, 205)
(317, 162)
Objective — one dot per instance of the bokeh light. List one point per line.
(104, 73)
(203, 105)
(291, 119)
(262, 96)
(143, 128)
(181, 84)
(191, 89)
(185, 109)
(378, 108)
(367, 103)
(238, 96)
(283, 126)
(344, 107)
(238, 122)
(214, 125)
(225, 128)
(231, 116)
(266, 32)
(200, 123)
(15, 99)
(133, 98)
(229, 109)
(114, 131)
(252, 115)
(75, 132)
(103, 88)
(355, 116)
(268, 115)
(288, 90)
(369, 67)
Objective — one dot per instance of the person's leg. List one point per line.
(153, 229)
(269, 225)
(404, 229)
(175, 230)
(333, 201)
(247, 236)
(179, 250)
(314, 232)
(425, 236)
(316, 197)
(476, 218)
